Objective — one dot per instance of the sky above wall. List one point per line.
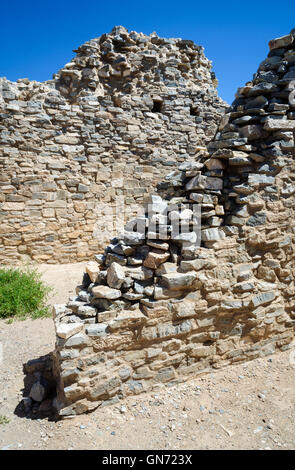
(37, 37)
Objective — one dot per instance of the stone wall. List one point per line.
(157, 309)
(124, 112)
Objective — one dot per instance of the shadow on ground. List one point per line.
(39, 390)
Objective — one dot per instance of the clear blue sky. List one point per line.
(37, 37)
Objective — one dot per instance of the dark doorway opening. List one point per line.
(157, 108)
(194, 111)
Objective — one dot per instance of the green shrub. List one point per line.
(22, 293)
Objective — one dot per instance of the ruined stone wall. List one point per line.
(157, 309)
(123, 113)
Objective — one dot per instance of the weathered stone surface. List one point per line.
(159, 245)
(244, 287)
(198, 264)
(92, 269)
(184, 309)
(116, 275)
(86, 311)
(284, 41)
(165, 293)
(66, 330)
(212, 234)
(166, 268)
(204, 182)
(77, 340)
(155, 258)
(231, 304)
(96, 330)
(262, 299)
(278, 124)
(105, 292)
(141, 273)
(255, 179)
(168, 330)
(257, 219)
(129, 319)
(13, 206)
(179, 280)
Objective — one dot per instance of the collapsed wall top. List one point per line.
(126, 62)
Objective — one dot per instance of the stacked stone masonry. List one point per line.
(123, 113)
(156, 309)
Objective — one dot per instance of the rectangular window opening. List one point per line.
(157, 108)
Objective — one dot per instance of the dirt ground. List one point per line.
(246, 406)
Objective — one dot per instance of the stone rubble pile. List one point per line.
(154, 263)
(124, 112)
(155, 307)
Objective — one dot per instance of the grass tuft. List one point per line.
(22, 294)
(4, 420)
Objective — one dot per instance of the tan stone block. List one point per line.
(48, 212)
(127, 319)
(5, 228)
(75, 234)
(202, 351)
(13, 206)
(157, 311)
(105, 292)
(92, 269)
(66, 330)
(11, 242)
(155, 258)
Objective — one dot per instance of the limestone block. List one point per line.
(99, 329)
(166, 374)
(184, 309)
(263, 298)
(168, 330)
(77, 340)
(92, 269)
(155, 258)
(232, 304)
(86, 311)
(13, 206)
(115, 275)
(179, 280)
(58, 310)
(140, 273)
(127, 319)
(66, 330)
(160, 245)
(204, 182)
(198, 264)
(105, 292)
(104, 387)
(283, 41)
(212, 234)
(166, 268)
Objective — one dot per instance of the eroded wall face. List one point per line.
(95, 140)
(157, 309)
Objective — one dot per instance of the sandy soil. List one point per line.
(247, 406)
